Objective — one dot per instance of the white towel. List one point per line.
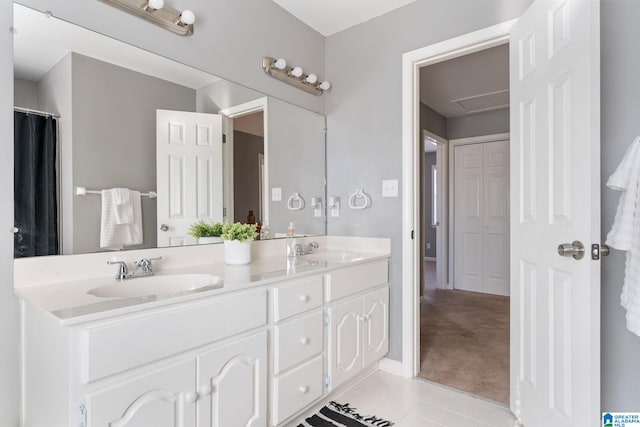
(114, 236)
(625, 232)
(124, 206)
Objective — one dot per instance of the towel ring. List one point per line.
(295, 202)
(359, 194)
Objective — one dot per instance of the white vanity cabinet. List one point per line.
(359, 323)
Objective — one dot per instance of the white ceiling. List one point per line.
(332, 16)
(467, 84)
(41, 42)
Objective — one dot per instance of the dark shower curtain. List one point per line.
(35, 185)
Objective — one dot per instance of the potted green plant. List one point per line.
(206, 232)
(237, 242)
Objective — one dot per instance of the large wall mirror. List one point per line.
(94, 114)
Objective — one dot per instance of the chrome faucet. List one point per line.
(306, 250)
(144, 267)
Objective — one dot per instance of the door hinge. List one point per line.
(327, 318)
(224, 211)
(413, 233)
(224, 138)
(82, 415)
(327, 381)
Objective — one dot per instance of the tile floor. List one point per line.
(418, 403)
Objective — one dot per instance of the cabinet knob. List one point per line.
(303, 389)
(304, 341)
(304, 298)
(191, 396)
(206, 390)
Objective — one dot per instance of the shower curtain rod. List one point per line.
(40, 113)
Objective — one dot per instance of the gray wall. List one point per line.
(9, 317)
(432, 121)
(620, 125)
(230, 40)
(25, 94)
(429, 231)
(246, 175)
(478, 124)
(55, 96)
(364, 114)
(114, 140)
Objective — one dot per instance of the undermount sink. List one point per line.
(156, 285)
(337, 257)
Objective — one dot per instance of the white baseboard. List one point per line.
(391, 366)
(430, 258)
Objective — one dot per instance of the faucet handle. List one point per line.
(145, 263)
(314, 245)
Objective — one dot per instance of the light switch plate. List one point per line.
(276, 194)
(390, 188)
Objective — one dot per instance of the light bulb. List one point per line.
(187, 17)
(311, 78)
(155, 5)
(280, 64)
(325, 85)
(297, 72)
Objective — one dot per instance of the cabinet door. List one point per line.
(161, 398)
(376, 325)
(345, 341)
(233, 384)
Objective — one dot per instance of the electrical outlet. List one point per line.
(428, 245)
(276, 194)
(390, 188)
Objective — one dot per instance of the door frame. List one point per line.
(453, 143)
(442, 242)
(412, 61)
(228, 114)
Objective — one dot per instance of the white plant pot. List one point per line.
(207, 240)
(237, 252)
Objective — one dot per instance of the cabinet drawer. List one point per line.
(348, 281)
(297, 389)
(297, 297)
(297, 340)
(113, 347)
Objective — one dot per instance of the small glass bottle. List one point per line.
(291, 242)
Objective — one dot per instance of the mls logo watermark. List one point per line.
(620, 419)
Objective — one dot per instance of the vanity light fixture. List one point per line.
(295, 76)
(157, 12)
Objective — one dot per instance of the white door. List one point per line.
(189, 173)
(163, 397)
(468, 221)
(555, 193)
(345, 341)
(481, 217)
(376, 325)
(233, 384)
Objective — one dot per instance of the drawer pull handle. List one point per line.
(206, 390)
(191, 396)
(304, 298)
(303, 389)
(304, 341)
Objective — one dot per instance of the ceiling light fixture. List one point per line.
(295, 76)
(157, 13)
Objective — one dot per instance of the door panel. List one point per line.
(157, 398)
(189, 172)
(555, 126)
(345, 341)
(233, 384)
(376, 331)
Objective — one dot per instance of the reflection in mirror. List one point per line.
(96, 113)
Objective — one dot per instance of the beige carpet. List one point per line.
(465, 342)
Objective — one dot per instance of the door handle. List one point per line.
(164, 227)
(575, 250)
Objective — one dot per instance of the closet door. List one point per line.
(468, 221)
(481, 217)
(496, 218)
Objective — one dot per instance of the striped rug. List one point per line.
(342, 415)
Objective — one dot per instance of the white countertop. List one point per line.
(70, 302)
